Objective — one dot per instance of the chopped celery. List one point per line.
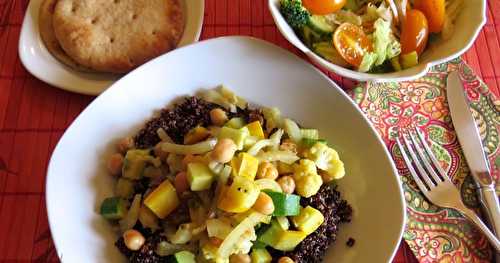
(309, 133)
(293, 130)
(310, 142)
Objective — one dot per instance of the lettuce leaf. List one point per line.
(385, 44)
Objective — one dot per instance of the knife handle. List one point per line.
(490, 200)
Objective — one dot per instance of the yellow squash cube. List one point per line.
(239, 196)
(308, 220)
(287, 240)
(256, 129)
(163, 200)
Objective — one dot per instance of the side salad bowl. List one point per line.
(469, 22)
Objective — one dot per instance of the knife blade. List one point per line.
(470, 141)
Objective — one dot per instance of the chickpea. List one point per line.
(240, 258)
(287, 184)
(133, 239)
(125, 144)
(285, 260)
(267, 171)
(160, 153)
(181, 184)
(223, 151)
(264, 204)
(218, 117)
(288, 145)
(115, 163)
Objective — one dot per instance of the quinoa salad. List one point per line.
(213, 180)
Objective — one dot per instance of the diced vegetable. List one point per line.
(284, 204)
(249, 142)
(288, 240)
(395, 63)
(255, 129)
(245, 165)
(235, 123)
(293, 130)
(309, 134)
(308, 220)
(124, 188)
(199, 176)
(320, 24)
(269, 236)
(328, 52)
(182, 257)
(273, 118)
(218, 228)
(113, 208)
(232, 239)
(409, 60)
(148, 218)
(198, 148)
(237, 135)
(310, 142)
(260, 255)
(241, 216)
(284, 223)
(129, 221)
(268, 184)
(310, 36)
(134, 163)
(163, 200)
(239, 196)
(183, 234)
(197, 134)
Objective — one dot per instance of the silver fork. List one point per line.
(433, 180)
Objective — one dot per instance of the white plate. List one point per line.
(77, 181)
(469, 23)
(39, 62)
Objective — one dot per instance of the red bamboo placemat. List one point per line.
(34, 115)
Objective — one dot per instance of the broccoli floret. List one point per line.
(294, 13)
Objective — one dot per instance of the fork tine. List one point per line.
(432, 156)
(424, 188)
(416, 160)
(424, 158)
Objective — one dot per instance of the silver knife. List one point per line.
(470, 140)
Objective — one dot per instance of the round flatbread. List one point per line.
(117, 35)
(49, 38)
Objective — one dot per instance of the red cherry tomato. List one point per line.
(434, 11)
(414, 33)
(323, 7)
(352, 43)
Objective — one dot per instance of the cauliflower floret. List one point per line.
(326, 159)
(307, 180)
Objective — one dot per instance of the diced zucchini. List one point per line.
(199, 176)
(256, 130)
(260, 255)
(310, 142)
(330, 53)
(237, 135)
(269, 236)
(308, 220)
(257, 244)
(113, 208)
(283, 221)
(235, 123)
(284, 204)
(320, 25)
(309, 134)
(163, 200)
(239, 196)
(409, 60)
(245, 165)
(280, 239)
(134, 163)
(182, 257)
(124, 188)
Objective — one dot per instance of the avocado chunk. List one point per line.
(199, 176)
(182, 257)
(134, 163)
(113, 208)
(284, 204)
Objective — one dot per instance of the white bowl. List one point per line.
(41, 64)
(467, 27)
(77, 181)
